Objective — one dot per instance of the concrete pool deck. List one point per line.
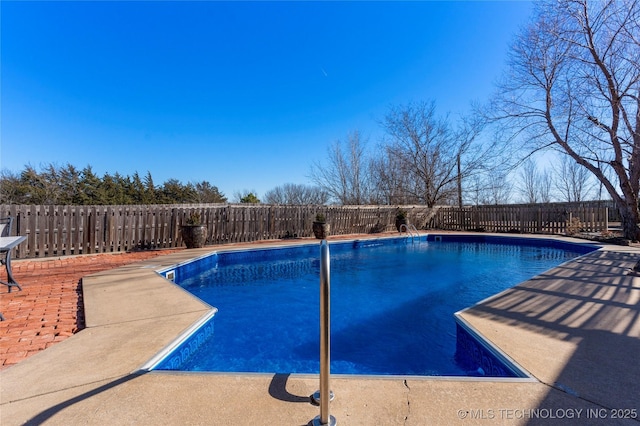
(574, 328)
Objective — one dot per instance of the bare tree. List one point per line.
(493, 187)
(546, 186)
(291, 193)
(574, 86)
(573, 181)
(246, 196)
(346, 177)
(530, 179)
(389, 179)
(428, 157)
(535, 185)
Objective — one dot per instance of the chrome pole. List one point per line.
(325, 394)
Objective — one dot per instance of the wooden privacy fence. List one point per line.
(68, 230)
(554, 218)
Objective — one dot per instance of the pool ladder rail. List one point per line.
(410, 230)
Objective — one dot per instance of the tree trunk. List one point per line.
(629, 217)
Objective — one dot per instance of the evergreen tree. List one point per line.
(90, 188)
(68, 186)
(69, 183)
(208, 193)
(149, 196)
(250, 198)
(138, 189)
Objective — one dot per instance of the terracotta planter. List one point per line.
(321, 230)
(194, 236)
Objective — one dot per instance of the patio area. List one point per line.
(50, 307)
(575, 329)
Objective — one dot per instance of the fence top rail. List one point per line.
(216, 205)
(597, 203)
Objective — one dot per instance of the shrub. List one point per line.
(574, 226)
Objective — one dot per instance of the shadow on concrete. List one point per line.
(52, 411)
(593, 303)
(278, 390)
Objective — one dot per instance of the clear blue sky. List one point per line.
(245, 95)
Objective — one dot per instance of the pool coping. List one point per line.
(132, 313)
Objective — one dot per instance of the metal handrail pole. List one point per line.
(325, 286)
(324, 395)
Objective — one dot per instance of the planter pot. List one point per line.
(400, 222)
(321, 230)
(194, 236)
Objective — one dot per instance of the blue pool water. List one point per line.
(392, 304)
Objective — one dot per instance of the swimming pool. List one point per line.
(393, 302)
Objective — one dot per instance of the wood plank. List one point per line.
(91, 229)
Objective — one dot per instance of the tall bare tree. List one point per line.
(491, 188)
(573, 182)
(292, 193)
(389, 179)
(574, 85)
(546, 185)
(429, 154)
(346, 176)
(535, 184)
(530, 179)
